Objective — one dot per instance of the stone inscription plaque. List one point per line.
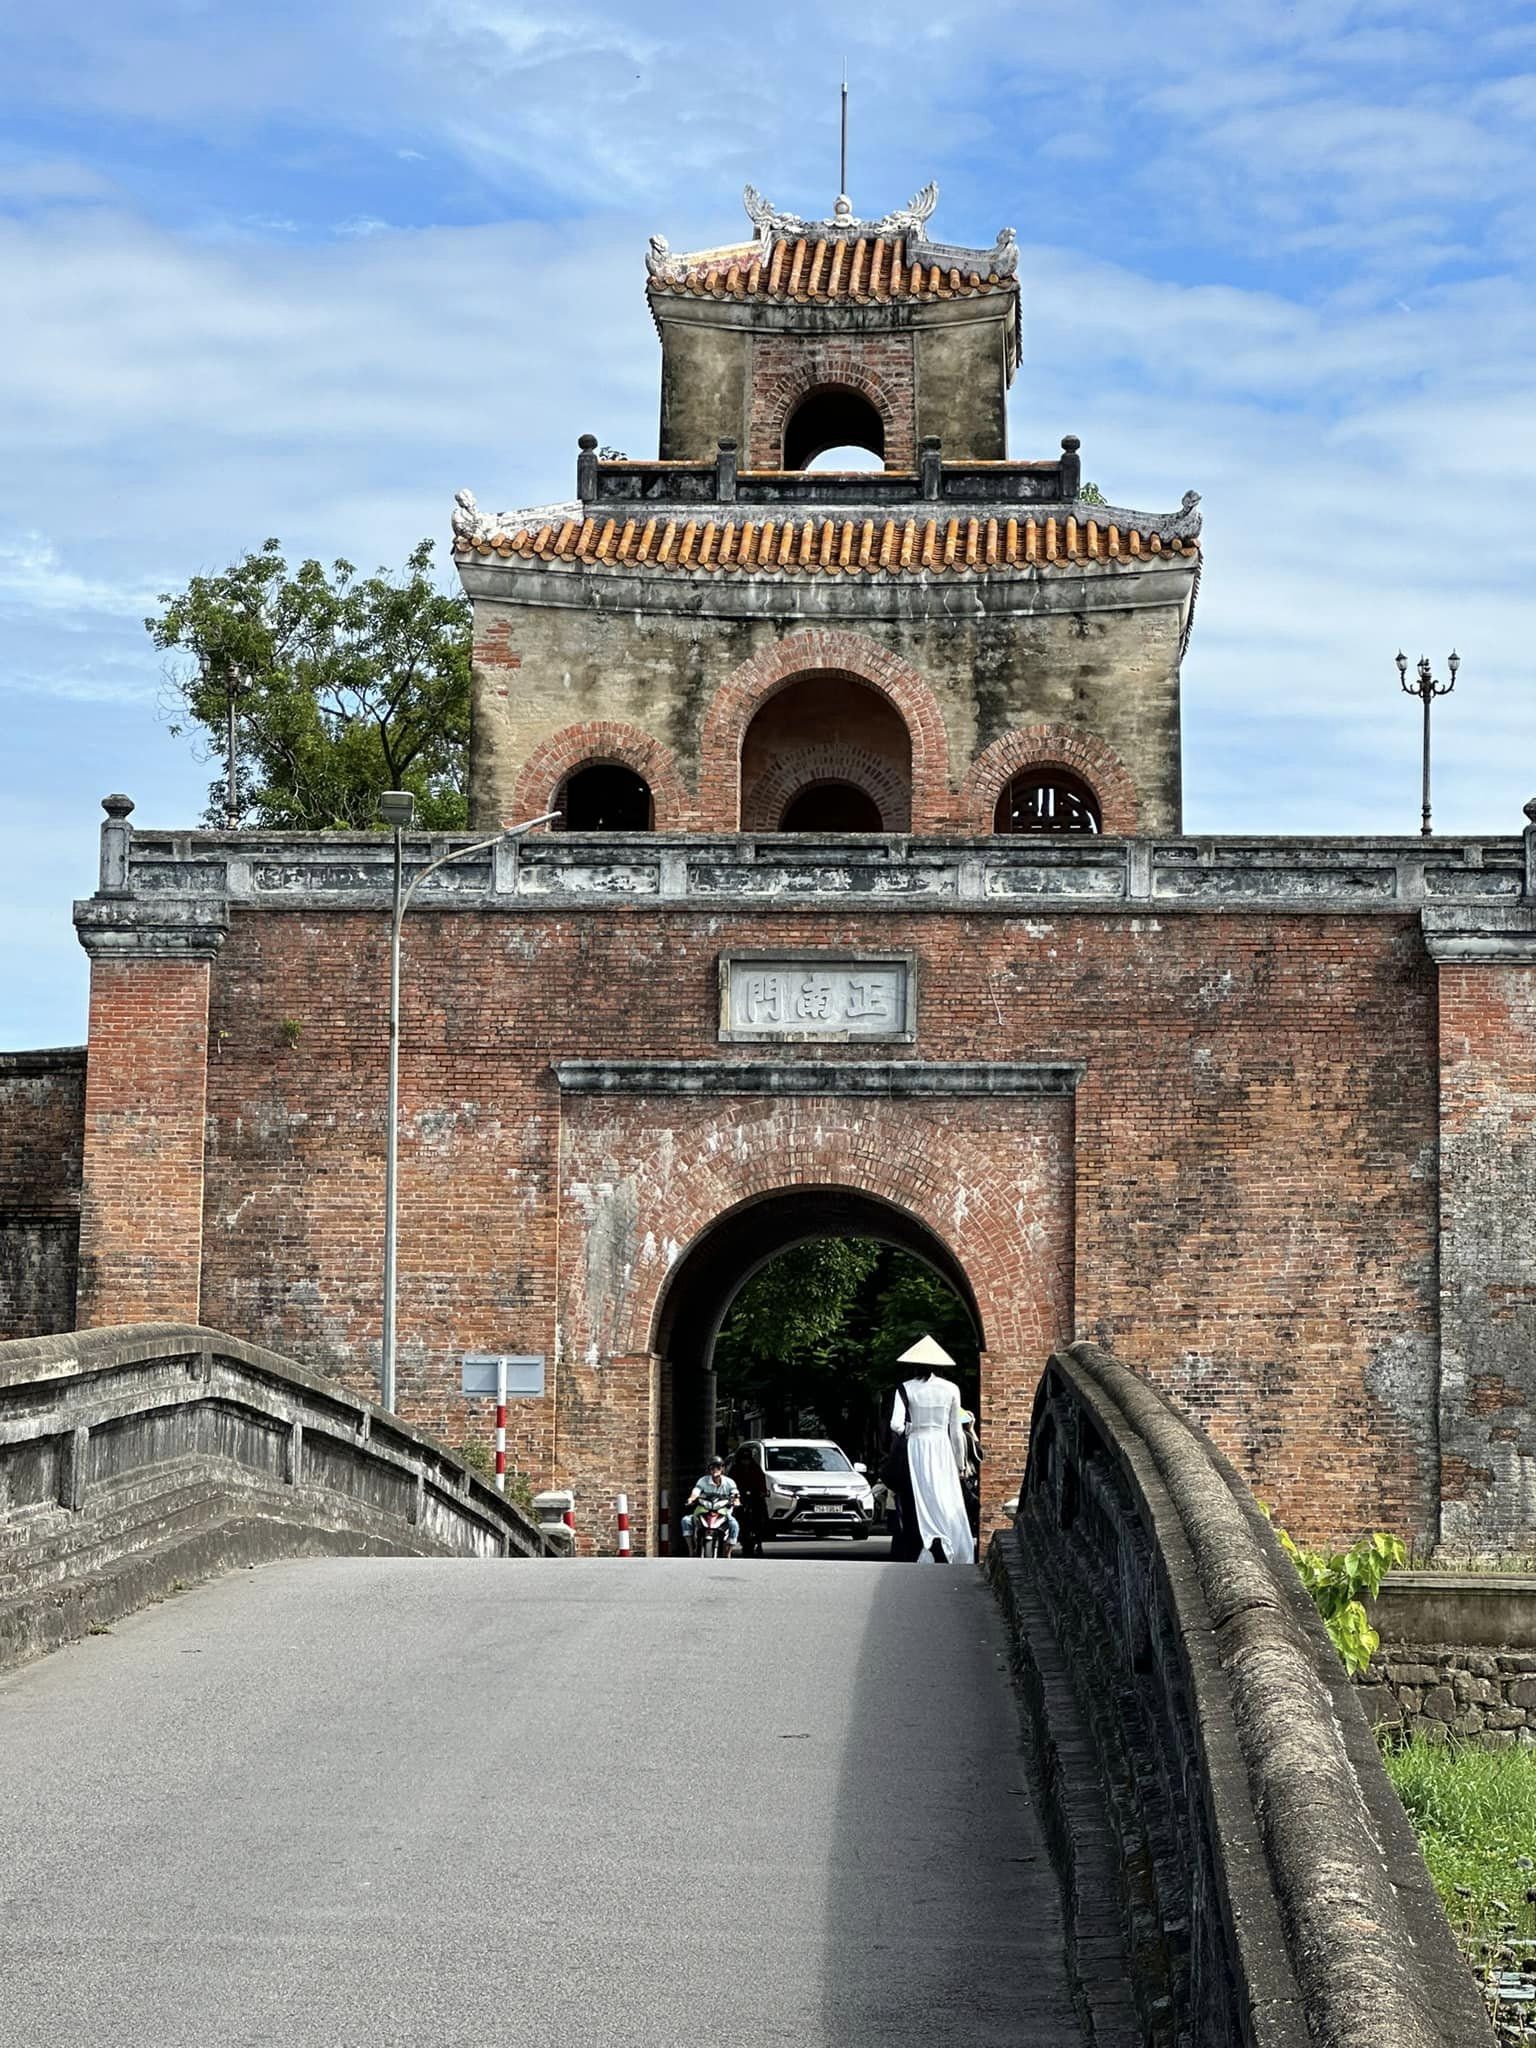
(805, 996)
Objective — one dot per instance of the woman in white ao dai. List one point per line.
(935, 1459)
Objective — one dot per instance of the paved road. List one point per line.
(640, 1805)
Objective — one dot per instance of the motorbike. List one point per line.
(711, 1532)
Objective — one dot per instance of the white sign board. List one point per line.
(805, 997)
(482, 1372)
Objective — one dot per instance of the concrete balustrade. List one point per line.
(134, 1461)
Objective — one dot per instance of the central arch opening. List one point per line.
(781, 1326)
(827, 753)
(834, 417)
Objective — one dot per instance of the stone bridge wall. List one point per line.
(1270, 1891)
(135, 1460)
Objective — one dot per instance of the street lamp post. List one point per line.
(397, 807)
(1425, 687)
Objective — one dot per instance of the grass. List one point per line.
(1474, 1812)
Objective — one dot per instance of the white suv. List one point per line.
(813, 1489)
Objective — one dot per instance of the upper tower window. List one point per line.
(835, 417)
(1047, 800)
(604, 797)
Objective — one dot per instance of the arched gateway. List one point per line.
(672, 1202)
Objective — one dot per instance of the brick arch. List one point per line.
(763, 805)
(1081, 753)
(831, 366)
(830, 652)
(608, 740)
(1003, 1221)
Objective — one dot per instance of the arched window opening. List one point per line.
(1047, 800)
(832, 807)
(604, 797)
(833, 418)
(826, 753)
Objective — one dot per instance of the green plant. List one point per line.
(1340, 1582)
(290, 1031)
(476, 1454)
(1090, 494)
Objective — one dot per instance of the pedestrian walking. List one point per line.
(926, 1413)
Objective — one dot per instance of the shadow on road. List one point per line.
(944, 1919)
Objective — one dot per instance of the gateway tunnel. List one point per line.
(712, 1398)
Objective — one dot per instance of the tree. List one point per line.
(340, 686)
(821, 1327)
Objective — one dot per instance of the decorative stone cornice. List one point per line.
(177, 888)
(1488, 935)
(153, 928)
(894, 1079)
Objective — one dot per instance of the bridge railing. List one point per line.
(1270, 1890)
(136, 1460)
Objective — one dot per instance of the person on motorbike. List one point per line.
(714, 1488)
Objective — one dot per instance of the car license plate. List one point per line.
(826, 1511)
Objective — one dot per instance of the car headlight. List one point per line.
(779, 1486)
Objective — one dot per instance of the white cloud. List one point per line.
(1222, 232)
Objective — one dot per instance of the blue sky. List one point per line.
(305, 270)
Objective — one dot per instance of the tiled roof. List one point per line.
(809, 269)
(873, 547)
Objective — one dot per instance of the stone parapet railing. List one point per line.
(191, 880)
(1271, 1892)
(134, 1461)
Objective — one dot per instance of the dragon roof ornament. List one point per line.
(770, 224)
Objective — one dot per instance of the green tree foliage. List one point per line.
(821, 1327)
(342, 684)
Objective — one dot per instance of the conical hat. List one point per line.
(926, 1351)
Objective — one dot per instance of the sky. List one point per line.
(305, 270)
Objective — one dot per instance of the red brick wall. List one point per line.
(1487, 1018)
(1254, 1214)
(787, 367)
(42, 1113)
(141, 1219)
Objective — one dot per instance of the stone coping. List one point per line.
(1472, 1610)
(1471, 891)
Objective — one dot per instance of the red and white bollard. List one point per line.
(664, 1528)
(501, 1446)
(624, 1550)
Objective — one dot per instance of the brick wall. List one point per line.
(786, 368)
(1252, 1211)
(42, 1112)
(1487, 1031)
(141, 1219)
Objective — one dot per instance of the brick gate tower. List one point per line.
(729, 638)
(871, 910)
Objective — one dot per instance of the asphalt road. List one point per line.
(636, 1804)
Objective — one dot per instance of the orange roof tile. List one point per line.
(832, 547)
(814, 269)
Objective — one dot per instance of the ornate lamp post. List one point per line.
(397, 807)
(1426, 689)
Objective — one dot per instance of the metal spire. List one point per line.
(842, 161)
